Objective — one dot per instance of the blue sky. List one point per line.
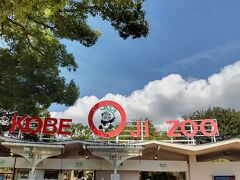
(194, 39)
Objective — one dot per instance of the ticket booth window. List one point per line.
(6, 174)
(22, 174)
(51, 175)
(78, 174)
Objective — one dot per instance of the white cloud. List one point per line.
(169, 98)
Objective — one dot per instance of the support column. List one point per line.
(116, 154)
(115, 174)
(34, 153)
(191, 167)
(32, 173)
(115, 166)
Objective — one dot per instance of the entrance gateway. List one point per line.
(107, 156)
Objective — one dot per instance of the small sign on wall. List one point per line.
(163, 165)
(79, 164)
(2, 162)
(224, 177)
(6, 162)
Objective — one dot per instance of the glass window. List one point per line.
(6, 176)
(23, 174)
(51, 175)
(6, 170)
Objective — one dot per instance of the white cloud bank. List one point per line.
(169, 98)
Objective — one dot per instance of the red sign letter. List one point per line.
(17, 123)
(39, 127)
(213, 123)
(173, 128)
(146, 128)
(137, 134)
(62, 125)
(52, 125)
(195, 128)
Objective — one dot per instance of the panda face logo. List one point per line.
(106, 116)
(109, 120)
(106, 121)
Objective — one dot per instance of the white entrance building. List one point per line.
(22, 160)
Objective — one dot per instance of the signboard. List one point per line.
(6, 162)
(79, 164)
(224, 177)
(108, 110)
(163, 165)
(191, 128)
(108, 119)
(2, 162)
(33, 125)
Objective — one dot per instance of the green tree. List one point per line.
(40, 22)
(32, 30)
(80, 132)
(154, 133)
(29, 84)
(228, 120)
(5, 117)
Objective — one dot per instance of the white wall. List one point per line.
(206, 170)
(197, 170)
(7, 162)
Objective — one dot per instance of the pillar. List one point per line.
(191, 167)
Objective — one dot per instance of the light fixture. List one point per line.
(227, 153)
(155, 157)
(84, 146)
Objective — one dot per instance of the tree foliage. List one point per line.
(80, 132)
(154, 133)
(40, 21)
(31, 60)
(30, 84)
(228, 120)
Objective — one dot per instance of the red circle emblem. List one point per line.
(110, 133)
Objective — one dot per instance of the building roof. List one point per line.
(77, 146)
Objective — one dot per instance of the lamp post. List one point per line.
(14, 169)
